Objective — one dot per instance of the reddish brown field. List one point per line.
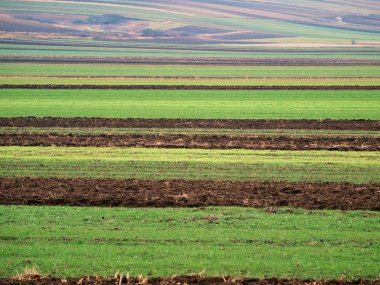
(186, 193)
(370, 125)
(255, 142)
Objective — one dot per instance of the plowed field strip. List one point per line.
(190, 131)
(192, 123)
(175, 280)
(195, 141)
(189, 87)
(182, 193)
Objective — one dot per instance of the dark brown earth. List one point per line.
(180, 280)
(186, 193)
(188, 87)
(195, 141)
(324, 124)
(193, 60)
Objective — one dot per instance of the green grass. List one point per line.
(151, 163)
(191, 104)
(199, 81)
(39, 69)
(73, 241)
(41, 50)
(188, 131)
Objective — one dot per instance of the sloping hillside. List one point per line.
(228, 24)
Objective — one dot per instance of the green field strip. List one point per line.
(108, 52)
(188, 131)
(198, 81)
(40, 69)
(163, 242)
(191, 104)
(193, 164)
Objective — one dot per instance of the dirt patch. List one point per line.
(181, 280)
(189, 87)
(195, 141)
(370, 125)
(282, 61)
(187, 193)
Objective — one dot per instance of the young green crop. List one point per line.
(191, 104)
(40, 69)
(198, 81)
(72, 241)
(194, 164)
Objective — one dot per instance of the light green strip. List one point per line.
(141, 163)
(208, 104)
(199, 81)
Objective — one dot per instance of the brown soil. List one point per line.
(188, 87)
(192, 123)
(193, 60)
(180, 280)
(183, 193)
(195, 141)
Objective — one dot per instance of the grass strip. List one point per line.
(191, 164)
(195, 81)
(72, 241)
(191, 104)
(56, 69)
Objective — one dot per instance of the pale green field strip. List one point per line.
(188, 131)
(40, 69)
(198, 81)
(72, 241)
(207, 104)
(42, 50)
(193, 164)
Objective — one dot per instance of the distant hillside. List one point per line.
(225, 24)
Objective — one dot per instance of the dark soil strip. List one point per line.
(188, 87)
(195, 141)
(183, 193)
(370, 125)
(193, 60)
(179, 280)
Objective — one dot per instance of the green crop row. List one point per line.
(198, 81)
(72, 241)
(39, 69)
(41, 50)
(194, 164)
(191, 104)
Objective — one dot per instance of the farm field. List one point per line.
(355, 167)
(106, 81)
(232, 166)
(203, 142)
(234, 240)
(226, 104)
(197, 71)
(108, 52)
